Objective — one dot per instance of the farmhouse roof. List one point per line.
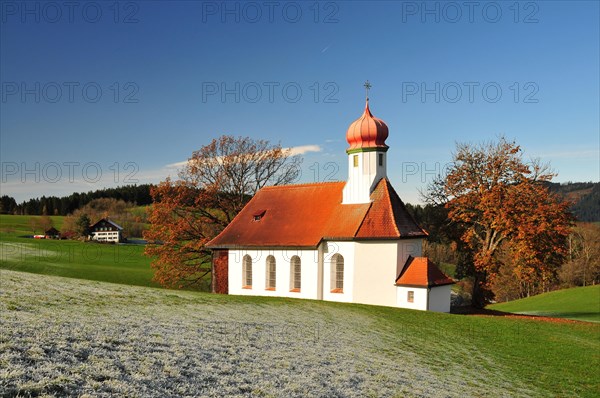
(305, 214)
(52, 231)
(107, 220)
(421, 272)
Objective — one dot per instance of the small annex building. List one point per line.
(106, 230)
(350, 241)
(52, 233)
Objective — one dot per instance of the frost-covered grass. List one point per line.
(74, 337)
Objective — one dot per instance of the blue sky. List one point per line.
(96, 94)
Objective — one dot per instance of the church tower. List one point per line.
(367, 156)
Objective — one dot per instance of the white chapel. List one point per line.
(349, 241)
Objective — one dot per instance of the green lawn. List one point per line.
(20, 225)
(581, 303)
(124, 264)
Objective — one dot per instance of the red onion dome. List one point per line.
(367, 132)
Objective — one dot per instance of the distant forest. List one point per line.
(584, 198)
(52, 205)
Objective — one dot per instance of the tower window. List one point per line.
(381, 159)
(355, 160)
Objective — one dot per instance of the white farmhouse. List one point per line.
(350, 241)
(106, 230)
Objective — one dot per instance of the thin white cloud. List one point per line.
(301, 150)
(176, 165)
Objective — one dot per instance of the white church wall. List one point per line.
(419, 297)
(439, 298)
(375, 272)
(309, 269)
(347, 250)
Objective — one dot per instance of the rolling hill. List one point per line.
(581, 303)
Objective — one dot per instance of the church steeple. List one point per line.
(366, 155)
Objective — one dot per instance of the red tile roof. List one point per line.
(420, 271)
(303, 215)
(388, 217)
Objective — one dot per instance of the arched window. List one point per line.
(337, 274)
(271, 273)
(247, 272)
(295, 274)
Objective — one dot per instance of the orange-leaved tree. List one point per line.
(214, 185)
(498, 200)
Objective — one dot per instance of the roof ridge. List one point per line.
(393, 191)
(304, 184)
(389, 203)
(364, 217)
(409, 260)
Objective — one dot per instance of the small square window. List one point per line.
(355, 160)
(411, 296)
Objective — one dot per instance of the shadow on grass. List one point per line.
(556, 317)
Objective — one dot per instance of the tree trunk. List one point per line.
(479, 294)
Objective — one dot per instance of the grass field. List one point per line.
(582, 303)
(20, 225)
(74, 337)
(102, 262)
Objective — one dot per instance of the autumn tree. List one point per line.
(499, 201)
(34, 224)
(214, 185)
(46, 222)
(583, 265)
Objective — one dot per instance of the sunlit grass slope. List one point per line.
(582, 303)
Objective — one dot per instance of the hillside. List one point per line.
(583, 196)
(73, 337)
(111, 263)
(582, 303)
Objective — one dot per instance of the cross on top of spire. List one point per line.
(367, 87)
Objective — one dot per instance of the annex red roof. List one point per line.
(367, 132)
(420, 271)
(303, 215)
